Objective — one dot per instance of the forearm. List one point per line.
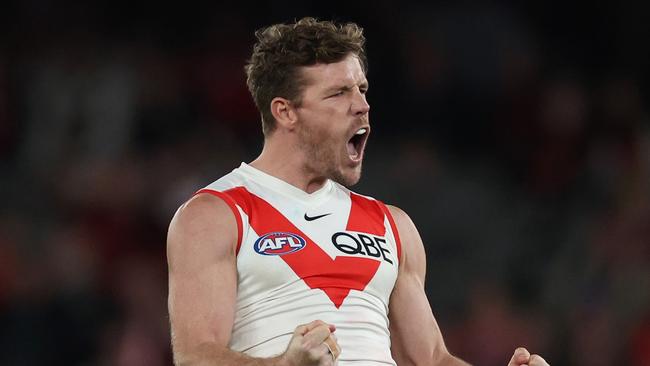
(212, 355)
(450, 360)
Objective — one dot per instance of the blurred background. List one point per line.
(515, 134)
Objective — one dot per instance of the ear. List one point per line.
(284, 113)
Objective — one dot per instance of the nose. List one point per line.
(360, 105)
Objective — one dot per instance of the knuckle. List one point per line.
(321, 329)
(536, 360)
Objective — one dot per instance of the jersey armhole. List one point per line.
(393, 228)
(233, 207)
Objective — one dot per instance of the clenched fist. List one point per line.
(523, 358)
(312, 344)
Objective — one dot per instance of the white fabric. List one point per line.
(272, 300)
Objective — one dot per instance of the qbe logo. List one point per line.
(279, 243)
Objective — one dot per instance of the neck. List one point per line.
(287, 162)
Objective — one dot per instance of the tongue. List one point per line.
(351, 150)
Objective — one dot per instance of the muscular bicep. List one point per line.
(415, 335)
(202, 274)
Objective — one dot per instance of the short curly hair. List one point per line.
(281, 49)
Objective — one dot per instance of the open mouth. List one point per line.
(357, 143)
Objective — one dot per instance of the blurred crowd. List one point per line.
(516, 136)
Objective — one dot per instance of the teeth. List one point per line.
(361, 131)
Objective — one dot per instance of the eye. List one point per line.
(363, 88)
(338, 93)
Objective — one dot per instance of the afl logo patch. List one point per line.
(279, 243)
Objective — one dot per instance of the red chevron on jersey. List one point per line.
(336, 277)
(393, 226)
(365, 216)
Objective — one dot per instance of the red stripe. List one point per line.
(393, 227)
(366, 216)
(231, 203)
(336, 277)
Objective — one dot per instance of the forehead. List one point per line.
(345, 72)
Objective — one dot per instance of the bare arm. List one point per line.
(203, 283)
(415, 336)
(414, 333)
(203, 289)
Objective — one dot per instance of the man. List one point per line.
(277, 263)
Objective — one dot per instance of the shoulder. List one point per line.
(402, 219)
(413, 253)
(205, 220)
(200, 209)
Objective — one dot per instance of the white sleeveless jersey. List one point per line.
(330, 255)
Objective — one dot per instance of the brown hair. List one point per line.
(280, 51)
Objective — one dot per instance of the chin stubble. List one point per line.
(322, 160)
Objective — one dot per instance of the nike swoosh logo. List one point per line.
(312, 218)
